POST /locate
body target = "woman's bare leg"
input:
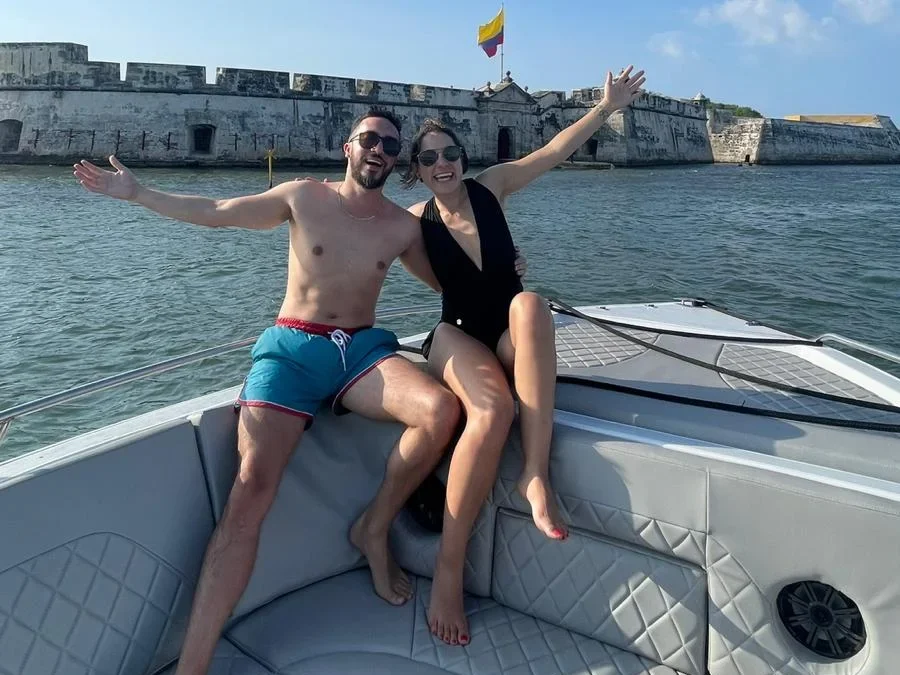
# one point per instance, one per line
(473, 373)
(528, 352)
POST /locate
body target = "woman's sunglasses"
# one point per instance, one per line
(369, 139)
(428, 157)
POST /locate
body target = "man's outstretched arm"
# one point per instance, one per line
(260, 211)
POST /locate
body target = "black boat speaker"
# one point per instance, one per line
(822, 619)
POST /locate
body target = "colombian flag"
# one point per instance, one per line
(490, 35)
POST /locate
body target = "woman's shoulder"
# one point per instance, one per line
(417, 209)
(486, 187)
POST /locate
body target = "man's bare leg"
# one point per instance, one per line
(266, 439)
(472, 372)
(396, 389)
(528, 351)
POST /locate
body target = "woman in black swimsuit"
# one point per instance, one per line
(490, 328)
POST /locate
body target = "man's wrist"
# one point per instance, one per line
(603, 109)
(139, 192)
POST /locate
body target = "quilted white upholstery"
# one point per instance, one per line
(99, 554)
(228, 660)
(507, 641)
(654, 533)
(789, 369)
(100, 604)
(416, 549)
(796, 530)
(624, 597)
(339, 626)
(581, 344)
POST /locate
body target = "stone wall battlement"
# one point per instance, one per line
(56, 105)
(61, 65)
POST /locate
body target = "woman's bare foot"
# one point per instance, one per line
(391, 582)
(446, 615)
(544, 510)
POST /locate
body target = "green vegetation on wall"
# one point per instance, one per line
(736, 110)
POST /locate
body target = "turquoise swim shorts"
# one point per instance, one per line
(298, 365)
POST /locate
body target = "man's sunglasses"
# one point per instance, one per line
(428, 157)
(369, 139)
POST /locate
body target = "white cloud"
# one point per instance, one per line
(867, 11)
(669, 44)
(767, 22)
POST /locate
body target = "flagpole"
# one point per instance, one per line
(504, 40)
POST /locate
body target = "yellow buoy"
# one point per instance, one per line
(270, 155)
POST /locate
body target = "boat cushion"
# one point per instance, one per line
(100, 552)
(329, 480)
(631, 598)
(228, 660)
(340, 626)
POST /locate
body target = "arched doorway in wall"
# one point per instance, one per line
(10, 135)
(504, 145)
(202, 139)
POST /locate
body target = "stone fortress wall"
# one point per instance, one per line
(58, 106)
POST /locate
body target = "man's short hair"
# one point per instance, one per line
(377, 112)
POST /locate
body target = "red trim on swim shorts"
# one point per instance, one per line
(340, 395)
(275, 406)
(314, 328)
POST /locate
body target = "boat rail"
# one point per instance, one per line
(8, 416)
(860, 346)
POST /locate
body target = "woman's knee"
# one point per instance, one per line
(529, 307)
(492, 416)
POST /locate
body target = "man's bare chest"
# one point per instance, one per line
(354, 250)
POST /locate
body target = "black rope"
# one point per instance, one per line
(727, 407)
(563, 308)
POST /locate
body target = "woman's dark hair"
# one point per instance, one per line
(429, 126)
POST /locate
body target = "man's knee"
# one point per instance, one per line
(440, 412)
(265, 443)
(252, 494)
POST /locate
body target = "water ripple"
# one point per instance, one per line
(90, 287)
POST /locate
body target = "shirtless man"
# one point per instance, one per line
(343, 239)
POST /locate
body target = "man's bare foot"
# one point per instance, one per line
(544, 510)
(391, 582)
(446, 615)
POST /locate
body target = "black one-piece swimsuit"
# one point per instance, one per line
(475, 301)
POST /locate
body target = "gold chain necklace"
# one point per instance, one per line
(345, 210)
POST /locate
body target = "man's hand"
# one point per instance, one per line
(521, 263)
(621, 92)
(119, 184)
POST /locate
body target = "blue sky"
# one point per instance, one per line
(778, 56)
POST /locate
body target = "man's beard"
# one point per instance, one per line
(369, 181)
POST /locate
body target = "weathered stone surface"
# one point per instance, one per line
(56, 105)
(53, 64)
(772, 141)
(245, 82)
(734, 139)
(165, 76)
(784, 142)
